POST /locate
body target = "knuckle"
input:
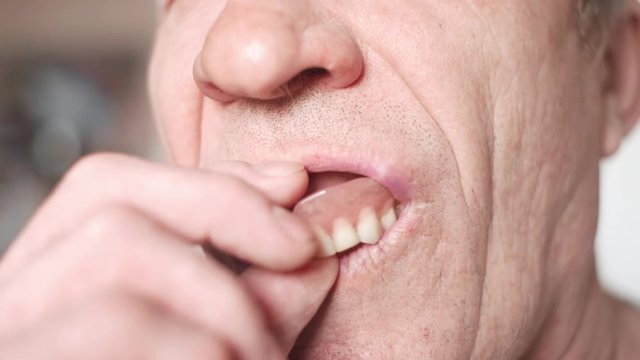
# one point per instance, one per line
(90, 166)
(116, 312)
(112, 238)
(122, 272)
(110, 223)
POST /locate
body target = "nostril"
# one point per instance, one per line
(275, 53)
(304, 79)
(214, 93)
(313, 73)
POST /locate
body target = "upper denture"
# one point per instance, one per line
(346, 213)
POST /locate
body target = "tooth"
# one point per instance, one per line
(327, 247)
(344, 235)
(389, 218)
(368, 226)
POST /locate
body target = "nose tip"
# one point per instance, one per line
(274, 49)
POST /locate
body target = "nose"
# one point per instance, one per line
(269, 49)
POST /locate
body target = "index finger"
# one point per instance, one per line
(212, 207)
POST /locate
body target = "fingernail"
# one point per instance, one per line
(278, 168)
(294, 227)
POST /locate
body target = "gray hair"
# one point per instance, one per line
(595, 18)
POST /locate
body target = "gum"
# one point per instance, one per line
(345, 200)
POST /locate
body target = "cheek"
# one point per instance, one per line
(175, 99)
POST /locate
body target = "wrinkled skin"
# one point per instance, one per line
(496, 111)
(486, 119)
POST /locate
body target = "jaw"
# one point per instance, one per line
(414, 296)
(417, 293)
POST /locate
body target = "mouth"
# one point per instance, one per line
(347, 211)
(374, 200)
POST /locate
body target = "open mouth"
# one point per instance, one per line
(346, 210)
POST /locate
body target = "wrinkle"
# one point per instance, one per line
(200, 102)
(490, 105)
(439, 244)
(491, 148)
(429, 113)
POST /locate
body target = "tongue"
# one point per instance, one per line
(339, 201)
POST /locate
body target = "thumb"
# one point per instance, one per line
(290, 300)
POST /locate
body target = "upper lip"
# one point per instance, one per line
(382, 170)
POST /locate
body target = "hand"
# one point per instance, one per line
(109, 267)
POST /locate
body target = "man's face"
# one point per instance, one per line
(482, 117)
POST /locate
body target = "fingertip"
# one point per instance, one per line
(291, 299)
(326, 268)
(319, 274)
(285, 190)
(283, 182)
(301, 242)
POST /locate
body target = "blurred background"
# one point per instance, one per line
(72, 81)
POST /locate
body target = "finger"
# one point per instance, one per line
(284, 183)
(114, 326)
(290, 300)
(204, 207)
(124, 250)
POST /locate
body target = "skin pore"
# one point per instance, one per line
(496, 112)
(486, 120)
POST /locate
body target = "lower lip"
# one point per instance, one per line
(364, 257)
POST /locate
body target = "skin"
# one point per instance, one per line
(495, 160)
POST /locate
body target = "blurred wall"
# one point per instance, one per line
(72, 81)
(96, 52)
(75, 27)
(618, 242)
